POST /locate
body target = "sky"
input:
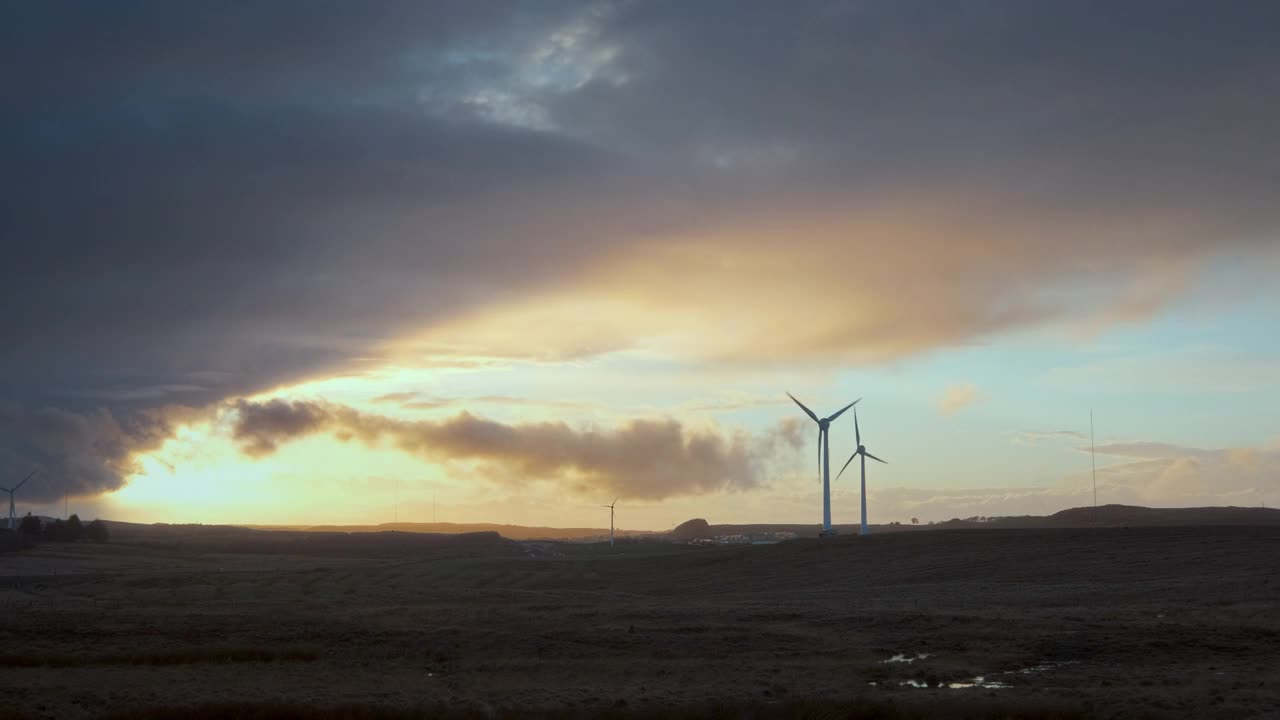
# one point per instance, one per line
(331, 262)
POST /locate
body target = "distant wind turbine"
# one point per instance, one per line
(610, 506)
(13, 517)
(1093, 461)
(862, 450)
(824, 457)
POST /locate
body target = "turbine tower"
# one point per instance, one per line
(610, 506)
(824, 457)
(862, 450)
(13, 518)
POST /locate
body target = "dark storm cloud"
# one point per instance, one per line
(78, 453)
(75, 50)
(640, 459)
(261, 427)
(1146, 101)
(204, 200)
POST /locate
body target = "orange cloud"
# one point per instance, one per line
(641, 459)
(830, 281)
(958, 397)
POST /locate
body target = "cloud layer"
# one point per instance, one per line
(208, 204)
(641, 459)
(82, 453)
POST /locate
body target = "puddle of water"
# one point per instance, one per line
(902, 658)
(978, 682)
(1041, 668)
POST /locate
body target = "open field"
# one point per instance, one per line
(1158, 622)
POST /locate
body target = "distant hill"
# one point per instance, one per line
(233, 539)
(511, 532)
(693, 530)
(1134, 515)
(1102, 516)
(141, 531)
(1126, 516)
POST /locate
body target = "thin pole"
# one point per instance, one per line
(396, 504)
(1093, 459)
(826, 482)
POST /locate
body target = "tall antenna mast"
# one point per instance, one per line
(1093, 459)
(396, 504)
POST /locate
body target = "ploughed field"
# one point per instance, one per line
(1142, 622)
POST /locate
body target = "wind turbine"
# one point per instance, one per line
(824, 457)
(13, 519)
(862, 450)
(610, 506)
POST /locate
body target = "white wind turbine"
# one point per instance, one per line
(862, 450)
(13, 519)
(610, 506)
(824, 457)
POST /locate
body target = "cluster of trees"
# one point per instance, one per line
(70, 531)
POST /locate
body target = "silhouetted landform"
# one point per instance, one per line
(1082, 517)
(1137, 516)
(699, 528)
(375, 540)
(693, 530)
(233, 539)
(511, 532)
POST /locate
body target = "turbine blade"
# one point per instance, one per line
(846, 464)
(873, 457)
(840, 412)
(857, 434)
(819, 455)
(615, 502)
(806, 410)
(25, 479)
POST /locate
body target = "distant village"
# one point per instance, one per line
(766, 538)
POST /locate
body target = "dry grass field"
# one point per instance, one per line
(1150, 622)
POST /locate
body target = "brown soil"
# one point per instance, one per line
(1151, 622)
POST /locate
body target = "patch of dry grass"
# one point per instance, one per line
(816, 710)
(190, 656)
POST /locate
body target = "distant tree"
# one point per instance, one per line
(97, 532)
(75, 529)
(915, 521)
(30, 525)
(56, 531)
